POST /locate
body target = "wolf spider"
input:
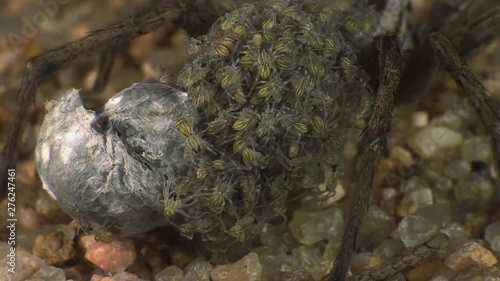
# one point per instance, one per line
(462, 31)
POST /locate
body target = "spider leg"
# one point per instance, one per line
(99, 41)
(105, 63)
(477, 94)
(371, 147)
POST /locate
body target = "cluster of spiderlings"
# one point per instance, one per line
(274, 86)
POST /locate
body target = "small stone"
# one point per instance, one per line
(274, 267)
(198, 271)
(246, 269)
(434, 138)
(479, 191)
(475, 222)
(310, 259)
(170, 273)
(457, 234)
(114, 257)
(476, 149)
(426, 270)
(415, 230)
(29, 218)
(86, 242)
(416, 199)
(443, 184)
(414, 183)
(377, 224)
(122, 276)
(377, 219)
(48, 273)
(361, 260)
(469, 255)
(457, 169)
(311, 227)
(490, 273)
(389, 248)
(26, 264)
(126, 276)
(448, 119)
(420, 119)
(438, 213)
(54, 247)
(276, 236)
(492, 235)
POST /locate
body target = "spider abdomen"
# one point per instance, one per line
(275, 86)
(272, 90)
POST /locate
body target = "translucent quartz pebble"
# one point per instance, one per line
(310, 259)
(388, 248)
(476, 149)
(476, 190)
(170, 273)
(457, 169)
(471, 254)
(443, 184)
(109, 167)
(377, 224)
(49, 273)
(415, 230)
(414, 183)
(275, 267)
(437, 213)
(198, 271)
(492, 235)
(448, 119)
(247, 268)
(432, 139)
(457, 234)
(311, 227)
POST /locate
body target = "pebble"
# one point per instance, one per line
(170, 273)
(275, 267)
(26, 264)
(469, 255)
(443, 184)
(492, 235)
(456, 233)
(113, 257)
(457, 169)
(476, 190)
(389, 248)
(415, 230)
(121, 276)
(54, 247)
(311, 227)
(438, 213)
(48, 273)
(247, 268)
(198, 271)
(309, 258)
(29, 218)
(449, 119)
(431, 139)
(476, 149)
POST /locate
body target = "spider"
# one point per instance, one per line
(389, 79)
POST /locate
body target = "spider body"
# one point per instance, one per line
(272, 91)
(275, 118)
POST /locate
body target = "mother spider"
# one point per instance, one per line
(272, 90)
